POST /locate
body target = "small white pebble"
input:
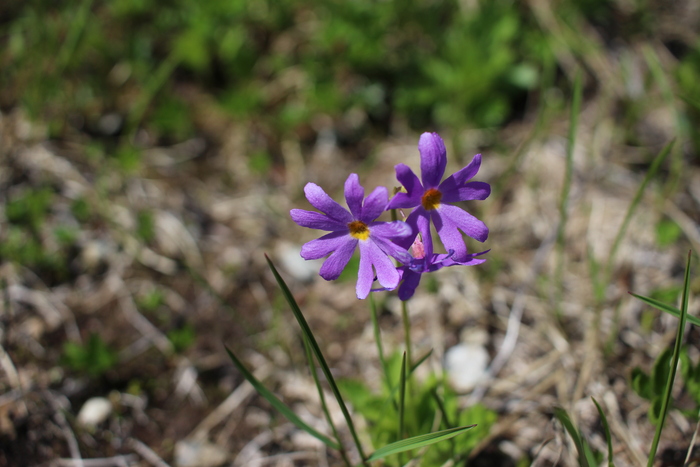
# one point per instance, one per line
(466, 365)
(94, 411)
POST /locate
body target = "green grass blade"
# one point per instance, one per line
(402, 395)
(606, 429)
(278, 404)
(568, 175)
(666, 402)
(417, 442)
(563, 417)
(672, 310)
(324, 405)
(306, 330)
(420, 360)
(656, 163)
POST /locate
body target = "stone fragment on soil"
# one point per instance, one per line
(94, 411)
(190, 453)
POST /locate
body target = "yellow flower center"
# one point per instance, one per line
(431, 199)
(359, 230)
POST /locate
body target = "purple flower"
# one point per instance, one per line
(411, 273)
(433, 200)
(348, 229)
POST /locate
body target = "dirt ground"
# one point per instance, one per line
(199, 272)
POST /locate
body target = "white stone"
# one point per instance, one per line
(94, 411)
(466, 365)
(292, 262)
(190, 453)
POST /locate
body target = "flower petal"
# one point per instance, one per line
(325, 245)
(414, 189)
(390, 230)
(324, 203)
(315, 220)
(372, 255)
(410, 283)
(468, 191)
(392, 249)
(467, 223)
(433, 159)
(375, 204)
(449, 234)
(354, 194)
(460, 177)
(336, 262)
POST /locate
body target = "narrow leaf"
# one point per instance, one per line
(606, 429)
(306, 330)
(672, 310)
(417, 442)
(420, 360)
(666, 402)
(573, 432)
(322, 398)
(655, 164)
(278, 404)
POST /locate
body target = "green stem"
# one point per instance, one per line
(406, 331)
(378, 340)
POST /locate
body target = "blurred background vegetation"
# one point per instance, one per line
(105, 69)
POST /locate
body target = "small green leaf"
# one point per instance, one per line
(563, 417)
(660, 372)
(641, 383)
(417, 442)
(278, 404)
(606, 429)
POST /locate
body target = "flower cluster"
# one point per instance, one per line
(431, 200)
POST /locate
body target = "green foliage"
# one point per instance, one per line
(93, 358)
(381, 410)
(182, 337)
(667, 233)
(30, 209)
(587, 457)
(652, 386)
(145, 226)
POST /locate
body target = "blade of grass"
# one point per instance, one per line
(395, 388)
(666, 88)
(420, 360)
(666, 308)
(656, 163)
(666, 402)
(306, 330)
(566, 189)
(73, 36)
(563, 417)
(278, 404)
(606, 429)
(326, 412)
(417, 442)
(402, 401)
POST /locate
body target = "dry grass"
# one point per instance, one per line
(213, 220)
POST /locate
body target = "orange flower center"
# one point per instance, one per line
(359, 230)
(431, 199)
